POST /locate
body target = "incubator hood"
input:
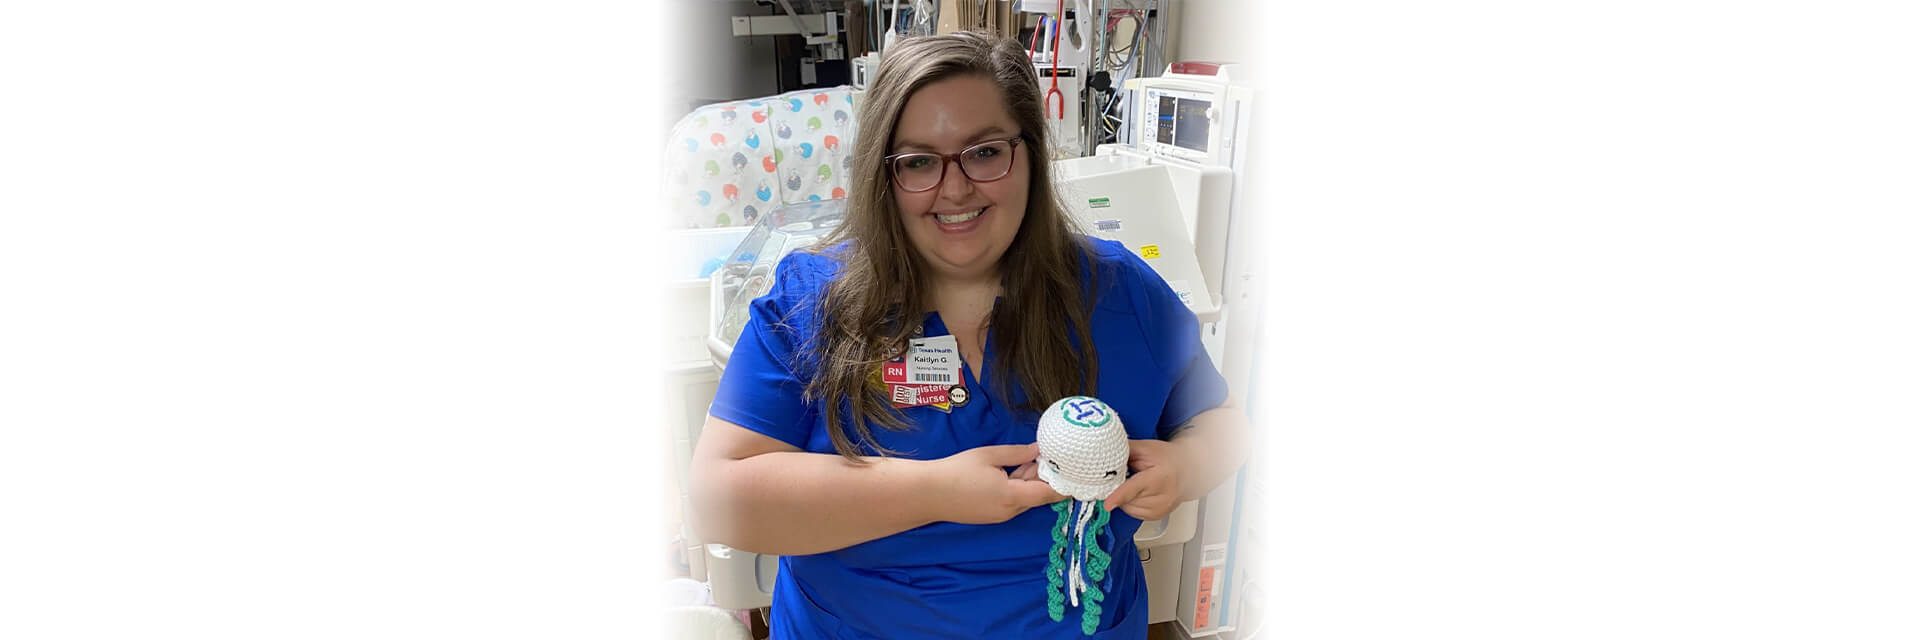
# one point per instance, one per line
(748, 272)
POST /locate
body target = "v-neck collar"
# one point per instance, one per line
(975, 379)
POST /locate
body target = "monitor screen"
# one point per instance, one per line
(1190, 123)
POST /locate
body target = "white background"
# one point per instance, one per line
(333, 321)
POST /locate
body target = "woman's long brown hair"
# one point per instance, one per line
(1042, 335)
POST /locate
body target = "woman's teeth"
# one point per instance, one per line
(957, 218)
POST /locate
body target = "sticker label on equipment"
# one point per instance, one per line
(1213, 576)
(933, 361)
(1203, 606)
(1099, 203)
(1149, 251)
(1106, 225)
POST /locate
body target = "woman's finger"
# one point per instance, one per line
(1007, 455)
(1144, 512)
(1033, 493)
(1125, 493)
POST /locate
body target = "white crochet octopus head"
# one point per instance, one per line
(1083, 448)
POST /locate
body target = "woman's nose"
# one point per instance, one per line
(955, 185)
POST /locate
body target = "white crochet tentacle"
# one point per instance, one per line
(1077, 581)
(1073, 585)
(1073, 564)
(1080, 528)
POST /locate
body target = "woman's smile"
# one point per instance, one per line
(959, 220)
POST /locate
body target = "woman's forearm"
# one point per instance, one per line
(794, 503)
(1213, 448)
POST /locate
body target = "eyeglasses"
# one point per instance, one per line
(984, 162)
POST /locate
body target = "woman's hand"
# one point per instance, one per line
(1154, 488)
(974, 487)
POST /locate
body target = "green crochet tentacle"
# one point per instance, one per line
(1090, 610)
(1097, 561)
(1056, 565)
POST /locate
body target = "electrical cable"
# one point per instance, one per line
(1142, 36)
(1101, 42)
(1115, 22)
(1131, 48)
(1094, 128)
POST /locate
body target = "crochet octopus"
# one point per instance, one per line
(1083, 455)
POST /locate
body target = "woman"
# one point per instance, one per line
(954, 236)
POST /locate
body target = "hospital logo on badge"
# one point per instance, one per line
(1086, 412)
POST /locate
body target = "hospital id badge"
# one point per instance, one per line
(933, 361)
(927, 376)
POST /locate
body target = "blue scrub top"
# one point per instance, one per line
(948, 580)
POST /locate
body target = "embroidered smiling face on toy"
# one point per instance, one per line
(1083, 448)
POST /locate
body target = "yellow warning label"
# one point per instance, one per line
(1149, 251)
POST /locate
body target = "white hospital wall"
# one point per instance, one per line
(1212, 31)
(710, 63)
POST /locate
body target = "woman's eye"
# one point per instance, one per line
(985, 152)
(916, 162)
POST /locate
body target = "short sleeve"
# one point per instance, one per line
(1173, 335)
(760, 388)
